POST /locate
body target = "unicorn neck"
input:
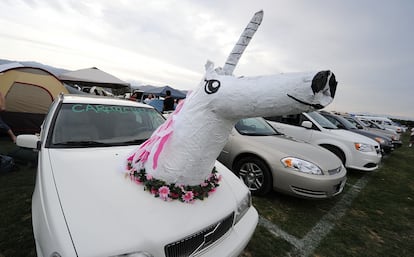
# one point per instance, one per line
(200, 141)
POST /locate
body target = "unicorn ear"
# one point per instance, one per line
(209, 66)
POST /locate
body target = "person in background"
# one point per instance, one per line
(411, 138)
(168, 102)
(148, 99)
(134, 97)
(3, 125)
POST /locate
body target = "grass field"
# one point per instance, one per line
(372, 217)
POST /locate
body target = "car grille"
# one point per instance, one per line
(334, 171)
(309, 193)
(191, 245)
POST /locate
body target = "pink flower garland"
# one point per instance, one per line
(169, 192)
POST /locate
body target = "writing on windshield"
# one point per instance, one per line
(105, 108)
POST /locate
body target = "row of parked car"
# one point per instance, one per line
(305, 155)
(82, 205)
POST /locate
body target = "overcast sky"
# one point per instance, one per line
(369, 45)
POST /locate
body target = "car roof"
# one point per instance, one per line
(95, 99)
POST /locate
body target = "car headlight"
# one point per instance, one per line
(301, 165)
(364, 147)
(243, 207)
(135, 254)
(380, 140)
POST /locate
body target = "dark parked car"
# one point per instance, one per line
(342, 123)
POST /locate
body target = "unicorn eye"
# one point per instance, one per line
(211, 86)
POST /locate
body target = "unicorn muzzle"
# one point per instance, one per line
(323, 88)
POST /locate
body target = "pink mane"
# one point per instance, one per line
(157, 141)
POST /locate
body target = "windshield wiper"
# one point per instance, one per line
(257, 134)
(82, 143)
(135, 141)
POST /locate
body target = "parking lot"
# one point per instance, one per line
(372, 217)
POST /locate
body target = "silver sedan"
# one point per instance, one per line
(264, 159)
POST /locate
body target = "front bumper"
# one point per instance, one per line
(310, 186)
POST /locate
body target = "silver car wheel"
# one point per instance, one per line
(255, 174)
(252, 175)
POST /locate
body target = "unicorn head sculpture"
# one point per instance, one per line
(184, 149)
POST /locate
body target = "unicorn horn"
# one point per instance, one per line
(241, 45)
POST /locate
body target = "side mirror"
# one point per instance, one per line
(306, 124)
(28, 141)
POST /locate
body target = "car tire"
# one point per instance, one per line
(338, 152)
(255, 174)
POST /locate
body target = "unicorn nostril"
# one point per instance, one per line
(332, 85)
(319, 81)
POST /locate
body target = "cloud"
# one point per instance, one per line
(368, 44)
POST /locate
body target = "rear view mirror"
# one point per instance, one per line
(306, 124)
(27, 141)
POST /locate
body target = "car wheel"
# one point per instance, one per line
(335, 150)
(255, 175)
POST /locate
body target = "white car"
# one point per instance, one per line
(383, 121)
(83, 205)
(356, 151)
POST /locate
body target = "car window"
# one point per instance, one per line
(255, 127)
(322, 121)
(85, 125)
(354, 122)
(347, 123)
(293, 119)
(334, 121)
(372, 124)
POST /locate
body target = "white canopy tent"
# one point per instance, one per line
(94, 77)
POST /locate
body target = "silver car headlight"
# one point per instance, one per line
(301, 165)
(364, 147)
(135, 254)
(243, 207)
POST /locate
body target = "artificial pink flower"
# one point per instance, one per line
(154, 191)
(212, 190)
(137, 181)
(164, 192)
(204, 184)
(188, 197)
(149, 177)
(174, 195)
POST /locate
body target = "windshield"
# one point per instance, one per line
(354, 122)
(85, 125)
(255, 127)
(322, 121)
(347, 123)
(372, 124)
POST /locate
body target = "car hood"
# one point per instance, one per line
(107, 213)
(287, 146)
(352, 137)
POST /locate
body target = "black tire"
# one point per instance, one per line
(338, 152)
(255, 175)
